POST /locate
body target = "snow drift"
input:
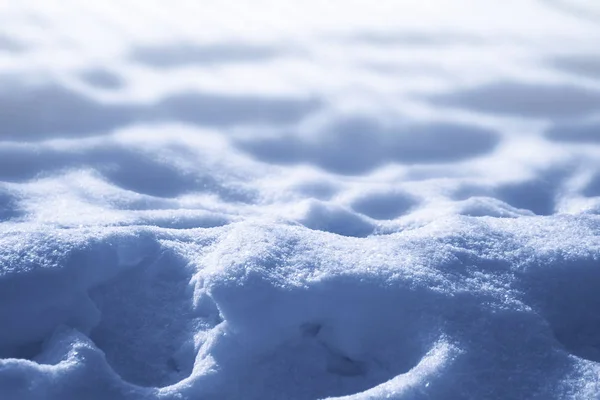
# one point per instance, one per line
(324, 201)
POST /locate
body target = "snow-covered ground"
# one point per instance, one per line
(299, 199)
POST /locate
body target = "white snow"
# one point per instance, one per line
(285, 200)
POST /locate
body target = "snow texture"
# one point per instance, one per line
(299, 200)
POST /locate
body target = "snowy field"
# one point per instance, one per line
(299, 199)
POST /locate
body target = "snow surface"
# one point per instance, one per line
(299, 200)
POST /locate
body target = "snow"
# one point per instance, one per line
(270, 200)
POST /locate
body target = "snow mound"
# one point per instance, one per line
(269, 310)
(326, 200)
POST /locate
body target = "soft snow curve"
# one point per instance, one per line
(333, 200)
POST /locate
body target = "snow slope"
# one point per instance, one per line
(270, 200)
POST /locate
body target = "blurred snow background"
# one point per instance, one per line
(279, 199)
